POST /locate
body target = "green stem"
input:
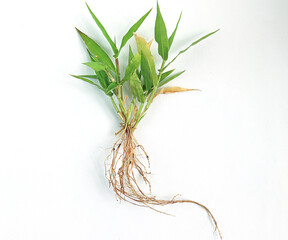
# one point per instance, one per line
(149, 100)
(135, 126)
(121, 104)
(154, 90)
(161, 70)
(118, 77)
(116, 108)
(118, 70)
(130, 110)
(139, 111)
(114, 104)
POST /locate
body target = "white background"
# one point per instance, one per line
(226, 146)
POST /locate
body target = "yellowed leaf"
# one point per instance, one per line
(172, 90)
(150, 43)
(142, 40)
(142, 44)
(148, 68)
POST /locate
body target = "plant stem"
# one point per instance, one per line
(152, 93)
(149, 100)
(130, 110)
(139, 111)
(119, 89)
(121, 104)
(116, 108)
(161, 70)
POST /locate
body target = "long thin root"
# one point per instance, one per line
(126, 166)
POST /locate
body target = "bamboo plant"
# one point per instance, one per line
(145, 81)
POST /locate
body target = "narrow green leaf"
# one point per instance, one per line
(89, 81)
(161, 35)
(100, 75)
(148, 70)
(166, 74)
(141, 118)
(170, 79)
(171, 38)
(103, 78)
(106, 35)
(96, 50)
(146, 73)
(92, 58)
(96, 66)
(101, 81)
(136, 88)
(133, 65)
(192, 44)
(111, 87)
(133, 29)
(87, 76)
(131, 54)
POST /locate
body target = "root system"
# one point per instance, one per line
(126, 172)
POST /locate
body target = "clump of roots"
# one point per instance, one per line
(125, 168)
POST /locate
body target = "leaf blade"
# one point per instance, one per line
(136, 88)
(86, 76)
(171, 38)
(170, 78)
(148, 69)
(96, 50)
(165, 75)
(131, 54)
(192, 44)
(133, 29)
(173, 90)
(133, 65)
(103, 30)
(161, 35)
(111, 87)
(87, 80)
(96, 66)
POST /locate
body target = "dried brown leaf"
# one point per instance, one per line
(172, 90)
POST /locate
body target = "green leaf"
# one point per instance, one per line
(166, 74)
(170, 79)
(111, 87)
(89, 81)
(106, 35)
(161, 35)
(148, 70)
(133, 29)
(145, 71)
(171, 38)
(96, 50)
(131, 54)
(96, 66)
(192, 44)
(100, 75)
(136, 88)
(103, 78)
(87, 76)
(92, 58)
(133, 65)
